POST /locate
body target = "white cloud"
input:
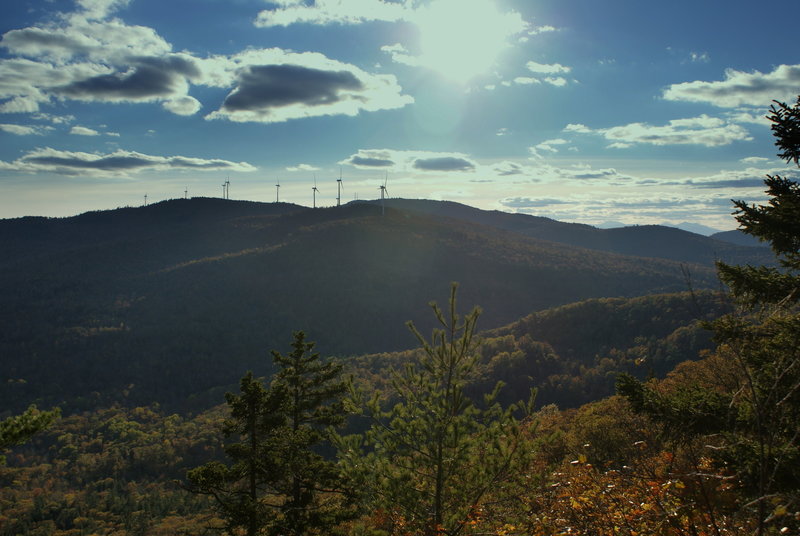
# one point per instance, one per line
(400, 54)
(577, 128)
(747, 115)
(24, 130)
(741, 88)
(453, 41)
(185, 105)
(273, 85)
(120, 163)
(526, 80)
(324, 12)
(55, 119)
(87, 56)
(79, 37)
(98, 9)
(302, 167)
(411, 161)
(702, 130)
(544, 68)
(557, 81)
(542, 29)
(90, 57)
(754, 160)
(83, 131)
(549, 146)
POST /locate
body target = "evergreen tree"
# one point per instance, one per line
(241, 490)
(756, 411)
(430, 462)
(278, 483)
(310, 485)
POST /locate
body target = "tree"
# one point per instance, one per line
(311, 486)
(756, 411)
(278, 483)
(430, 462)
(241, 489)
(17, 429)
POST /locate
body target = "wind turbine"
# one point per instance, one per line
(224, 186)
(384, 192)
(339, 188)
(277, 191)
(314, 190)
(145, 199)
(186, 193)
(228, 188)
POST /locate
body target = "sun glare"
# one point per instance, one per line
(461, 39)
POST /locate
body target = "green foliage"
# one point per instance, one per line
(109, 471)
(17, 429)
(573, 353)
(692, 411)
(750, 413)
(430, 461)
(277, 482)
(238, 489)
(786, 128)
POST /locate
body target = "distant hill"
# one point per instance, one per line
(573, 353)
(698, 228)
(168, 302)
(639, 240)
(739, 238)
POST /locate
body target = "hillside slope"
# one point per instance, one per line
(643, 240)
(573, 353)
(170, 301)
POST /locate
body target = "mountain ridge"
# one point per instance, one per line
(169, 301)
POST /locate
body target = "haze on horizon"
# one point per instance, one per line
(578, 111)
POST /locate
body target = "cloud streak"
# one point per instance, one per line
(702, 130)
(120, 163)
(740, 88)
(411, 161)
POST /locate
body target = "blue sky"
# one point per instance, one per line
(585, 111)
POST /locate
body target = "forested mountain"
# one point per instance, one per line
(641, 240)
(173, 300)
(114, 469)
(739, 238)
(573, 353)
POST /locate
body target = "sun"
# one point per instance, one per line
(462, 38)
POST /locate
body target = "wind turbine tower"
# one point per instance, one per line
(339, 189)
(384, 192)
(145, 199)
(314, 190)
(228, 188)
(278, 191)
(186, 193)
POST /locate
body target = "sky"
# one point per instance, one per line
(605, 113)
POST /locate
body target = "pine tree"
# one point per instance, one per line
(278, 483)
(431, 461)
(241, 490)
(757, 415)
(312, 486)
